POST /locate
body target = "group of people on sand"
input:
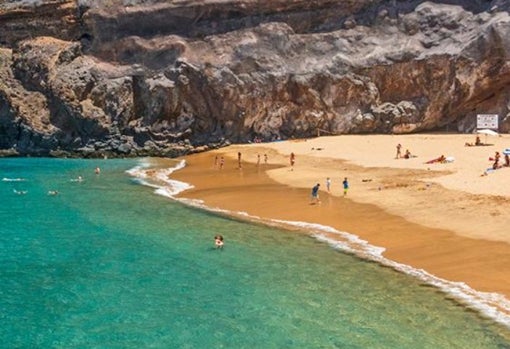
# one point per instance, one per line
(219, 161)
(497, 157)
(315, 190)
(407, 154)
(443, 159)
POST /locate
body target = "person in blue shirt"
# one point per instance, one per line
(346, 186)
(315, 193)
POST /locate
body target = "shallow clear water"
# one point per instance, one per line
(109, 264)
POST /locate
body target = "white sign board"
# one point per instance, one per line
(489, 121)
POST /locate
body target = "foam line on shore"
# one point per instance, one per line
(159, 179)
(491, 305)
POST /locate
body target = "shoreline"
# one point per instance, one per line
(273, 191)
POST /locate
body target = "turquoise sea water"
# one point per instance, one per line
(107, 263)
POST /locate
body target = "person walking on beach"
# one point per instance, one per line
(239, 160)
(292, 161)
(222, 162)
(399, 151)
(346, 186)
(258, 160)
(328, 184)
(315, 194)
(265, 159)
(215, 161)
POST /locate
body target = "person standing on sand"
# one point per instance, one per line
(239, 160)
(216, 161)
(328, 184)
(399, 151)
(346, 186)
(258, 160)
(315, 194)
(292, 161)
(222, 162)
(265, 159)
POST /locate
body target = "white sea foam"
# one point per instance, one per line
(139, 170)
(492, 305)
(159, 178)
(13, 179)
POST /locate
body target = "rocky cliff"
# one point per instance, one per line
(142, 77)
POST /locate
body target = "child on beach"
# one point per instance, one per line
(346, 186)
(328, 184)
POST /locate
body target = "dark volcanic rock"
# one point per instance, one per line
(94, 78)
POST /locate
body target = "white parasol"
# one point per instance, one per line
(486, 132)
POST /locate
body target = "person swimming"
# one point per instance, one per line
(52, 192)
(79, 179)
(19, 192)
(218, 241)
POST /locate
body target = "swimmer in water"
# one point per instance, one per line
(20, 192)
(79, 179)
(97, 170)
(218, 241)
(52, 192)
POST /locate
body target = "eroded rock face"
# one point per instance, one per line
(168, 77)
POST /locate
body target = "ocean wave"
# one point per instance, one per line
(492, 305)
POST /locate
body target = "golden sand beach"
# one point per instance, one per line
(450, 219)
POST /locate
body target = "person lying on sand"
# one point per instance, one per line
(441, 159)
